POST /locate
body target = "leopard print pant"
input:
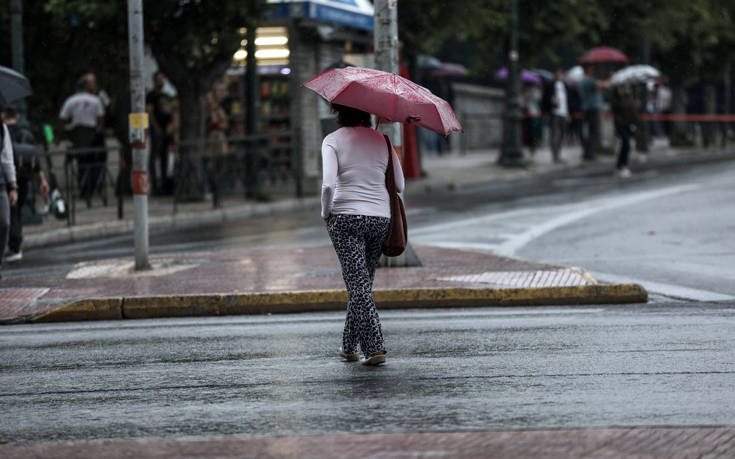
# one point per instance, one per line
(358, 241)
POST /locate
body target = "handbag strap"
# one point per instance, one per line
(390, 180)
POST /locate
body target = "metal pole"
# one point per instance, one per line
(385, 39)
(251, 112)
(511, 155)
(138, 124)
(18, 62)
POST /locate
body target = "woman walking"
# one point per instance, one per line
(356, 210)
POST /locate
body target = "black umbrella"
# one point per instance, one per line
(13, 86)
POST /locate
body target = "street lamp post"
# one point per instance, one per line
(511, 154)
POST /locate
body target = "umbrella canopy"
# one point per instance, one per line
(545, 74)
(450, 69)
(574, 74)
(386, 95)
(13, 86)
(604, 54)
(527, 76)
(634, 74)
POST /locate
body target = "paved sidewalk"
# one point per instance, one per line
(293, 280)
(637, 442)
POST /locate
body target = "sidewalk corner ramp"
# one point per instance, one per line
(335, 300)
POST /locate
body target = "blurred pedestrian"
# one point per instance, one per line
(590, 102)
(26, 167)
(83, 115)
(8, 187)
(532, 120)
(663, 106)
(156, 103)
(559, 114)
(217, 147)
(356, 210)
(576, 124)
(625, 114)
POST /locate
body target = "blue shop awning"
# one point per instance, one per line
(352, 13)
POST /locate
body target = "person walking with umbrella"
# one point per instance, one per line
(356, 210)
(355, 197)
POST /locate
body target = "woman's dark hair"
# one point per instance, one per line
(350, 117)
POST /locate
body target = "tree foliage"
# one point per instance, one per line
(193, 40)
(688, 40)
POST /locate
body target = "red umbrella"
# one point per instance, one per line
(386, 95)
(604, 54)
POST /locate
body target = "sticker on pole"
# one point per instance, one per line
(138, 123)
(140, 182)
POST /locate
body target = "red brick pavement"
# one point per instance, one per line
(250, 271)
(638, 442)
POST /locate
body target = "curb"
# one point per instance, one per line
(335, 300)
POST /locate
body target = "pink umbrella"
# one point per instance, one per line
(604, 54)
(386, 95)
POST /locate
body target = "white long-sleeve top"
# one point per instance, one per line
(354, 160)
(6, 157)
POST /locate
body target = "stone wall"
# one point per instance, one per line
(480, 110)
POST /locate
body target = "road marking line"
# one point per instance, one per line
(590, 207)
(565, 214)
(675, 291)
(439, 227)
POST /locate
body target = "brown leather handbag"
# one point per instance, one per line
(397, 239)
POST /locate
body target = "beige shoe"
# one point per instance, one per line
(375, 359)
(623, 173)
(348, 357)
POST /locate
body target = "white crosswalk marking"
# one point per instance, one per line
(520, 279)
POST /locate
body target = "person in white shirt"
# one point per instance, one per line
(8, 187)
(83, 115)
(356, 210)
(559, 114)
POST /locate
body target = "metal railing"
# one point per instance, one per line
(254, 167)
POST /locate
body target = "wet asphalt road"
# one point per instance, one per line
(669, 362)
(656, 364)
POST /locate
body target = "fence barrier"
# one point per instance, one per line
(228, 164)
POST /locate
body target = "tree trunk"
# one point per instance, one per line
(710, 108)
(190, 180)
(192, 87)
(678, 136)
